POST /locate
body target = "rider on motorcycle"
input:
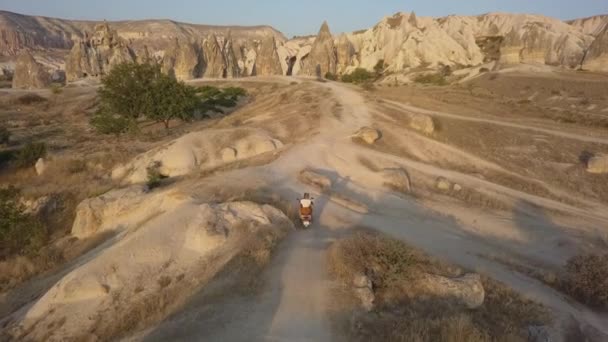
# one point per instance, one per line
(306, 205)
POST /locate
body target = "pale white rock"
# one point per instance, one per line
(166, 235)
(398, 179)
(368, 134)
(443, 184)
(422, 123)
(467, 289)
(197, 151)
(40, 166)
(598, 164)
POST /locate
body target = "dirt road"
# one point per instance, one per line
(293, 305)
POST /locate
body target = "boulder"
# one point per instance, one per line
(443, 184)
(322, 58)
(368, 134)
(598, 164)
(467, 290)
(363, 290)
(198, 151)
(422, 123)
(40, 166)
(228, 154)
(457, 187)
(315, 179)
(40, 206)
(397, 179)
(29, 74)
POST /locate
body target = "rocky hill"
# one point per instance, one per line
(19, 31)
(403, 42)
(591, 25)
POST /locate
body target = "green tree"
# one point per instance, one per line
(125, 90)
(170, 99)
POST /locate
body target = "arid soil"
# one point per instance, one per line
(493, 179)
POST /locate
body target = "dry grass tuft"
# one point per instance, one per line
(586, 279)
(404, 312)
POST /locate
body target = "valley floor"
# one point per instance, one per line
(519, 203)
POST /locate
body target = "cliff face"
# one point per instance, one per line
(596, 58)
(403, 41)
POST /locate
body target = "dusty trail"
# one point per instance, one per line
(574, 136)
(293, 305)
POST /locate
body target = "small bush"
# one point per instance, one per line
(360, 75)
(436, 79)
(30, 99)
(331, 77)
(19, 232)
(56, 88)
(484, 70)
(154, 176)
(29, 154)
(5, 135)
(586, 279)
(106, 123)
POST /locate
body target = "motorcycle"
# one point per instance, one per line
(306, 215)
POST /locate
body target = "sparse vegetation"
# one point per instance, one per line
(133, 91)
(358, 76)
(404, 312)
(30, 153)
(5, 135)
(586, 279)
(30, 99)
(154, 176)
(19, 231)
(434, 79)
(331, 77)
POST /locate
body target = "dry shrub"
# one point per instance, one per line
(29, 99)
(586, 279)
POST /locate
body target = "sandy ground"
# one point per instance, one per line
(293, 301)
(293, 305)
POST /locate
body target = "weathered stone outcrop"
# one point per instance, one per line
(345, 52)
(596, 58)
(97, 54)
(230, 57)
(29, 74)
(182, 61)
(215, 63)
(267, 61)
(322, 58)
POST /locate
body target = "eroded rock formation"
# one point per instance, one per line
(97, 54)
(29, 74)
(596, 58)
(322, 58)
(182, 61)
(267, 61)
